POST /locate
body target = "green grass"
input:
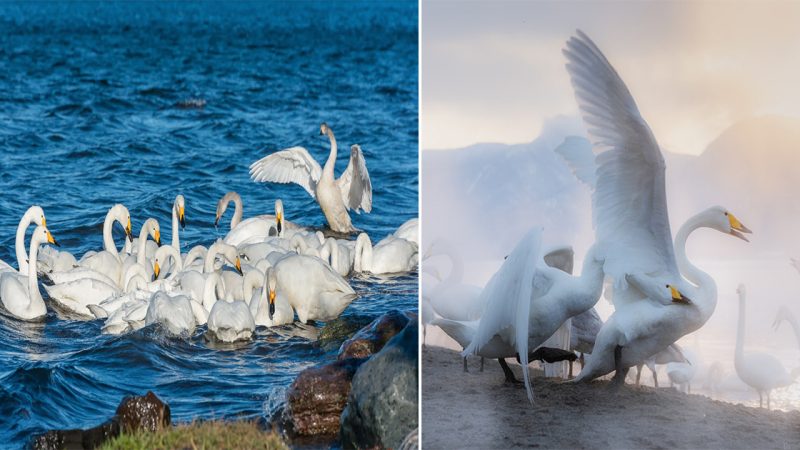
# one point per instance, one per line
(201, 435)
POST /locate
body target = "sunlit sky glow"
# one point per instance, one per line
(493, 72)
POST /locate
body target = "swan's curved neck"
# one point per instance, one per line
(456, 274)
(238, 211)
(740, 328)
(141, 257)
(33, 277)
(330, 253)
(19, 243)
(707, 300)
(211, 256)
(210, 295)
(176, 240)
(328, 169)
(108, 238)
(363, 258)
(251, 281)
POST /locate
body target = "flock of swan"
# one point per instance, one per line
(264, 272)
(658, 294)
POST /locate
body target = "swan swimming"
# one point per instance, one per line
(760, 371)
(353, 189)
(253, 229)
(391, 255)
(34, 214)
(230, 320)
(313, 288)
(19, 293)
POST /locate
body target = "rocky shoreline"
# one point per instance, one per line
(366, 398)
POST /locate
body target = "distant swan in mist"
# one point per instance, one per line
(784, 314)
(631, 221)
(353, 189)
(760, 371)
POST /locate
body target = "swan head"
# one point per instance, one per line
(43, 235)
(272, 285)
(231, 255)
(324, 129)
(156, 269)
(222, 205)
(741, 290)
(180, 207)
(279, 215)
(677, 296)
(36, 214)
(151, 225)
(724, 221)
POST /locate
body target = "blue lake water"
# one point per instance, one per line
(93, 112)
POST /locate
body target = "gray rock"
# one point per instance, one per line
(382, 406)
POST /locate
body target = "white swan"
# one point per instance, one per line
(178, 218)
(195, 282)
(151, 228)
(409, 231)
(632, 225)
(391, 255)
(337, 256)
(528, 300)
(451, 298)
(682, 373)
(313, 289)
(253, 229)
(269, 307)
(20, 294)
(353, 189)
(760, 371)
(784, 314)
(173, 312)
(230, 320)
(34, 214)
(670, 355)
(638, 330)
(108, 261)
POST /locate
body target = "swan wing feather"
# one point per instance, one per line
(629, 199)
(292, 165)
(507, 297)
(354, 183)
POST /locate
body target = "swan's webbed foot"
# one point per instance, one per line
(510, 378)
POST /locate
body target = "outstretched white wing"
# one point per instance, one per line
(629, 200)
(354, 184)
(293, 165)
(507, 297)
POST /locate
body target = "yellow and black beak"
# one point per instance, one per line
(271, 303)
(156, 270)
(128, 231)
(737, 228)
(216, 221)
(238, 265)
(51, 239)
(181, 217)
(677, 297)
(279, 222)
(158, 237)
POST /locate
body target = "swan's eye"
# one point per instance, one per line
(667, 286)
(726, 213)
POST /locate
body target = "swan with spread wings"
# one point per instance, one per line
(352, 191)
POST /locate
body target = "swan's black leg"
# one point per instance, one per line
(510, 378)
(619, 376)
(638, 374)
(570, 369)
(481, 363)
(465, 365)
(582, 359)
(655, 378)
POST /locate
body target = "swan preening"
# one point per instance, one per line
(266, 271)
(352, 190)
